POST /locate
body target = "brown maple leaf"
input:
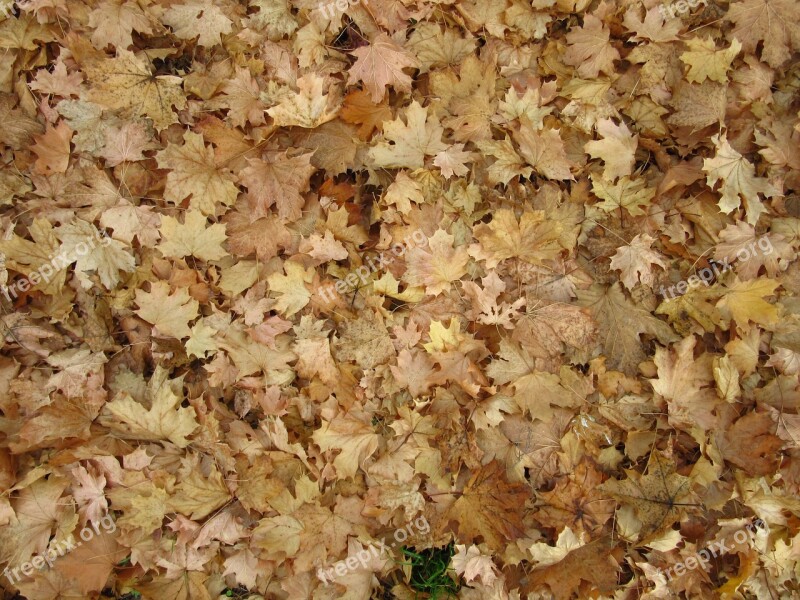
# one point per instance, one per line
(490, 508)
(381, 64)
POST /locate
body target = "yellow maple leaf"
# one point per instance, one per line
(164, 420)
(192, 237)
(544, 150)
(82, 243)
(437, 265)
(294, 294)
(353, 435)
(198, 495)
(194, 172)
(706, 62)
(633, 260)
(307, 108)
(739, 181)
(508, 163)
(409, 143)
(169, 313)
(532, 239)
(744, 302)
(632, 195)
(29, 257)
(617, 148)
(125, 83)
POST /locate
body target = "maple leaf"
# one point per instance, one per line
(198, 18)
(414, 371)
(436, 266)
(313, 349)
(536, 392)
(620, 323)
(744, 302)
(248, 235)
(473, 565)
(410, 142)
(91, 563)
(37, 512)
(89, 494)
(773, 22)
(169, 313)
(686, 384)
(274, 17)
(617, 149)
(125, 83)
(294, 294)
(364, 341)
(589, 48)
(657, 498)
(308, 108)
(698, 106)
(381, 64)
(359, 109)
(351, 434)
(278, 180)
(242, 98)
(488, 508)
(633, 261)
(484, 302)
(115, 20)
(550, 328)
(576, 502)
(544, 151)
(632, 195)
(190, 585)
(545, 555)
(739, 181)
(751, 442)
(740, 238)
(194, 172)
(165, 419)
(192, 237)
(198, 495)
(706, 62)
(129, 221)
(52, 148)
(126, 144)
(508, 165)
(592, 562)
(93, 253)
(336, 147)
(532, 238)
(25, 256)
(656, 26)
(453, 161)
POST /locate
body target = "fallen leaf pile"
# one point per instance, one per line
(281, 278)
